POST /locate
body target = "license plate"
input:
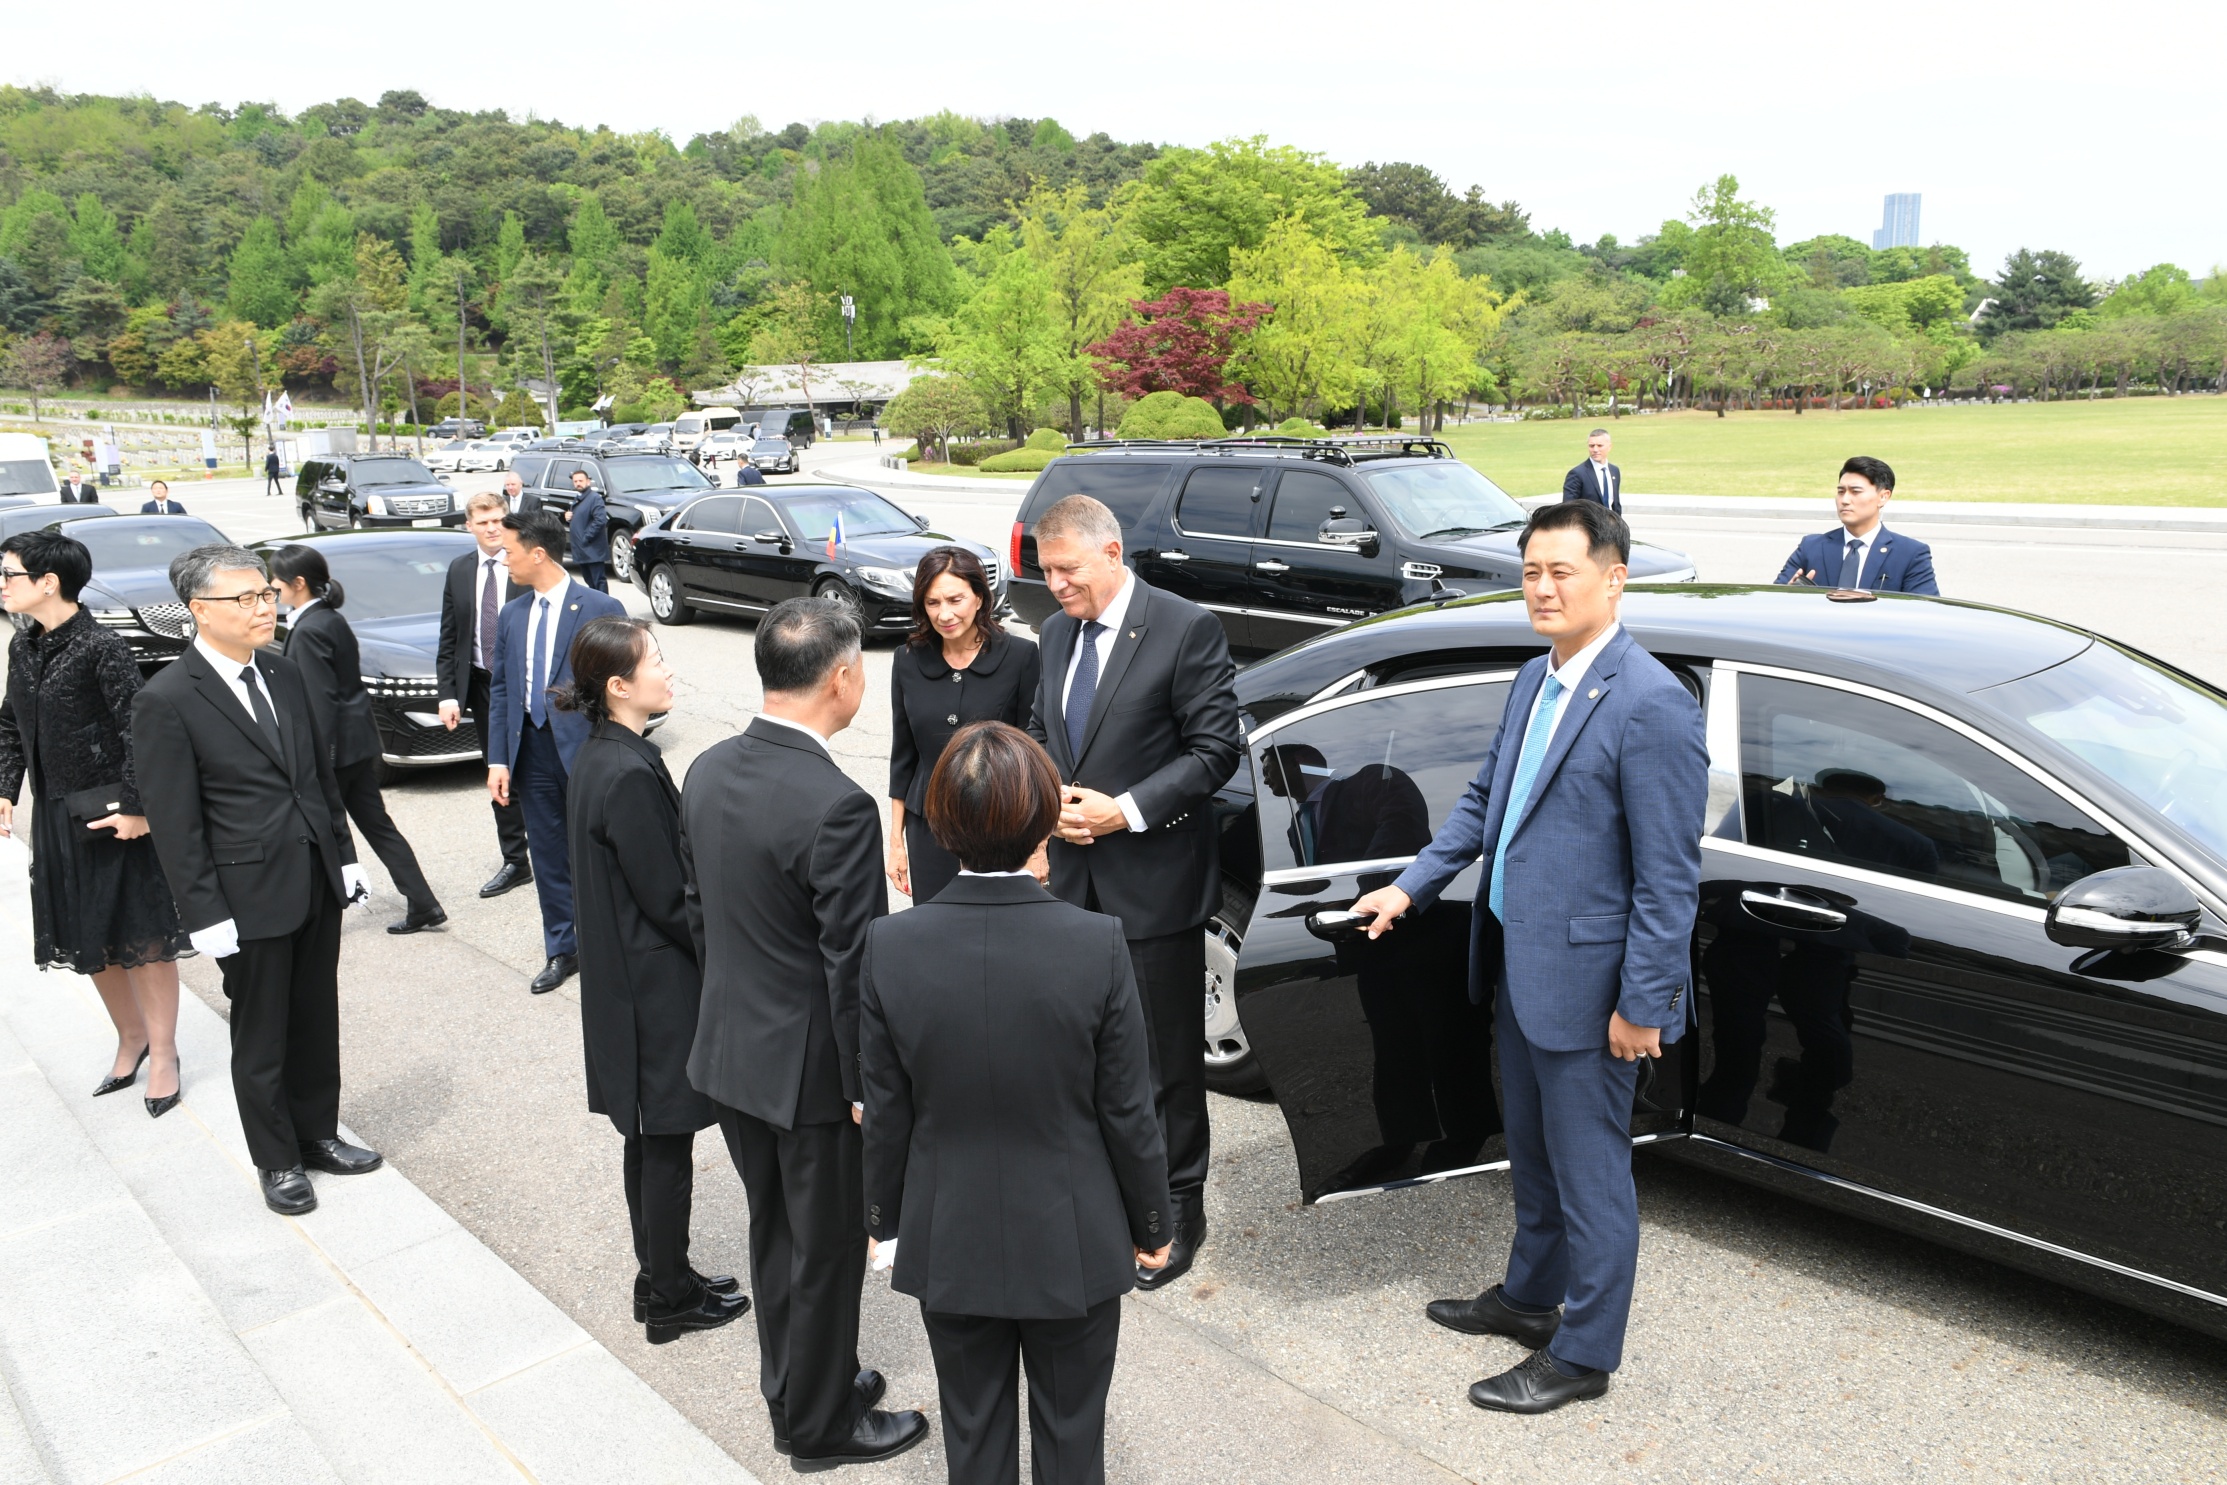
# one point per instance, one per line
(427, 521)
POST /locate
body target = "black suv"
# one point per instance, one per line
(1284, 538)
(373, 491)
(639, 490)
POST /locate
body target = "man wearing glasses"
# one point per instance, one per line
(248, 824)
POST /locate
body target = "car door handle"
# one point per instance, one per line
(1272, 565)
(1175, 556)
(1786, 907)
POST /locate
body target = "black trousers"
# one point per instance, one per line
(1171, 981)
(660, 1190)
(1070, 1367)
(806, 1188)
(367, 808)
(537, 781)
(510, 824)
(285, 995)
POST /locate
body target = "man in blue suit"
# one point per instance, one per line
(530, 744)
(590, 522)
(1587, 816)
(1863, 553)
(162, 504)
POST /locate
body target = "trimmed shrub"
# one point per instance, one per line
(1021, 461)
(517, 410)
(1172, 415)
(1046, 438)
(1299, 428)
(975, 453)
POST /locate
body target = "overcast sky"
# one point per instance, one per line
(2097, 132)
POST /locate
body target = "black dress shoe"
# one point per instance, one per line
(1491, 1314)
(1532, 1385)
(877, 1435)
(111, 1083)
(157, 1107)
(339, 1158)
(716, 1283)
(419, 922)
(561, 967)
(709, 1311)
(513, 874)
(869, 1384)
(1189, 1237)
(287, 1192)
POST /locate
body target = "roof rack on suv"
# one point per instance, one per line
(1329, 450)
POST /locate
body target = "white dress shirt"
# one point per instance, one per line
(1117, 610)
(1863, 555)
(1600, 472)
(1023, 872)
(546, 638)
(798, 727)
(1571, 676)
(228, 671)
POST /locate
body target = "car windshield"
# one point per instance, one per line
(1444, 500)
(864, 514)
(116, 545)
(632, 476)
(2155, 734)
(27, 477)
(770, 446)
(387, 579)
(391, 472)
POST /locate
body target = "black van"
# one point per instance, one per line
(791, 423)
(1284, 538)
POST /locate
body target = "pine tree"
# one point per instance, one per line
(861, 227)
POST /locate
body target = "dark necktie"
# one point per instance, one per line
(1085, 690)
(265, 718)
(534, 701)
(489, 601)
(1852, 565)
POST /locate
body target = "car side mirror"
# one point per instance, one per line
(1348, 531)
(920, 523)
(771, 538)
(2127, 907)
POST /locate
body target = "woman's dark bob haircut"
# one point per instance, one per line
(605, 649)
(967, 568)
(993, 798)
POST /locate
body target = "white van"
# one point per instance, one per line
(27, 468)
(691, 428)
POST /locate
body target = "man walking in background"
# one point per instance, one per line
(471, 602)
(1863, 553)
(590, 523)
(274, 473)
(1596, 478)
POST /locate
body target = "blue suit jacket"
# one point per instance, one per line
(1604, 870)
(513, 674)
(590, 525)
(151, 509)
(1892, 564)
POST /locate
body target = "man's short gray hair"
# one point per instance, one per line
(191, 572)
(1078, 517)
(1598, 433)
(802, 640)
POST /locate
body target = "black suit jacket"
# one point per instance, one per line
(1010, 1138)
(1162, 728)
(927, 706)
(452, 662)
(75, 493)
(152, 508)
(1582, 484)
(784, 861)
(323, 644)
(236, 823)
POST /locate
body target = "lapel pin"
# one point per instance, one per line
(1592, 693)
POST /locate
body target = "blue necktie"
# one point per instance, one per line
(1852, 565)
(535, 702)
(1085, 690)
(1519, 792)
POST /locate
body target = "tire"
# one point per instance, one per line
(622, 554)
(666, 604)
(309, 518)
(1231, 1067)
(836, 590)
(355, 522)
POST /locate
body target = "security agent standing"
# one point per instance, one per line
(1863, 553)
(1136, 709)
(248, 824)
(161, 504)
(590, 524)
(1587, 816)
(530, 744)
(472, 599)
(783, 855)
(79, 490)
(1596, 478)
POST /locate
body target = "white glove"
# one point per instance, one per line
(219, 941)
(885, 1254)
(356, 885)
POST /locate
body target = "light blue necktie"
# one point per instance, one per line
(534, 698)
(1519, 792)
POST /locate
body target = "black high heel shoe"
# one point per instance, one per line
(157, 1107)
(111, 1083)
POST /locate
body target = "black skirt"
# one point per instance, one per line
(932, 868)
(97, 902)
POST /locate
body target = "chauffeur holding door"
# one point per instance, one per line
(1587, 816)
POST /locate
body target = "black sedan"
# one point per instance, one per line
(130, 593)
(1961, 956)
(775, 456)
(742, 553)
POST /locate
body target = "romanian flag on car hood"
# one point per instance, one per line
(835, 536)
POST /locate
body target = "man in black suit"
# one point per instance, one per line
(783, 854)
(274, 473)
(1136, 709)
(247, 819)
(79, 490)
(161, 504)
(1596, 478)
(471, 600)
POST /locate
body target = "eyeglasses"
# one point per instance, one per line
(10, 574)
(249, 602)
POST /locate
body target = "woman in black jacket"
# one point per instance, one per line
(957, 666)
(99, 903)
(639, 981)
(320, 641)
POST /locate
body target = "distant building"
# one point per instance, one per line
(1898, 226)
(856, 388)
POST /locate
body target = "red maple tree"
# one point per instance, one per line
(1179, 342)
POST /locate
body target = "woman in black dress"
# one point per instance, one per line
(320, 640)
(639, 980)
(957, 666)
(99, 903)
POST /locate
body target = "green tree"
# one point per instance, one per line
(529, 309)
(860, 226)
(368, 324)
(94, 239)
(2166, 289)
(1171, 415)
(595, 242)
(1085, 258)
(259, 281)
(1195, 207)
(791, 333)
(675, 297)
(931, 410)
(1731, 257)
(1006, 339)
(2035, 291)
(1300, 359)
(510, 246)
(93, 311)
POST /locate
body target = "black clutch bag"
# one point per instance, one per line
(87, 805)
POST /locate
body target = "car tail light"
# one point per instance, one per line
(1013, 555)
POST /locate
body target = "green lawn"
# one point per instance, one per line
(2136, 451)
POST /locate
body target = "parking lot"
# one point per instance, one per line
(1769, 1341)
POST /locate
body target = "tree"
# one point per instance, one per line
(37, 363)
(510, 246)
(234, 364)
(860, 226)
(1300, 358)
(1180, 342)
(1416, 198)
(1006, 338)
(260, 282)
(791, 333)
(1195, 207)
(2166, 289)
(1171, 415)
(2035, 291)
(367, 319)
(933, 408)
(94, 239)
(93, 310)
(1731, 257)
(529, 308)
(1084, 255)
(21, 305)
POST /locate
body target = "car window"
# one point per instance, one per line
(369, 472)
(389, 579)
(1122, 486)
(528, 468)
(1219, 502)
(115, 545)
(632, 476)
(1444, 499)
(1304, 500)
(813, 512)
(721, 513)
(26, 477)
(758, 517)
(1373, 780)
(560, 474)
(1846, 778)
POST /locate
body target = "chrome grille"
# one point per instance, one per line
(990, 566)
(418, 505)
(170, 620)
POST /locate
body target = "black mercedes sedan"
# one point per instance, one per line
(742, 552)
(130, 593)
(1961, 956)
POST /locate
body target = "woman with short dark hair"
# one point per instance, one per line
(957, 666)
(1012, 1158)
(99, 902)
(639, 980)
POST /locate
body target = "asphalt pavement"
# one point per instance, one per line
(1769, 1341)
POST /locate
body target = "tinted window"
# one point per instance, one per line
(1846, 778)
(720, 513)
(758, 518)
(387, 579)
(26, 477)
(528, 468)
(390, 472)
(1371, 781)
(630, 476)
(1444, 499)
(560, 474)
(1219, 502)
(116, 545)
(1304, 500)
(864, 514)
(1122, 487)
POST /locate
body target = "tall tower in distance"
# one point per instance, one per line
(1898, 226)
